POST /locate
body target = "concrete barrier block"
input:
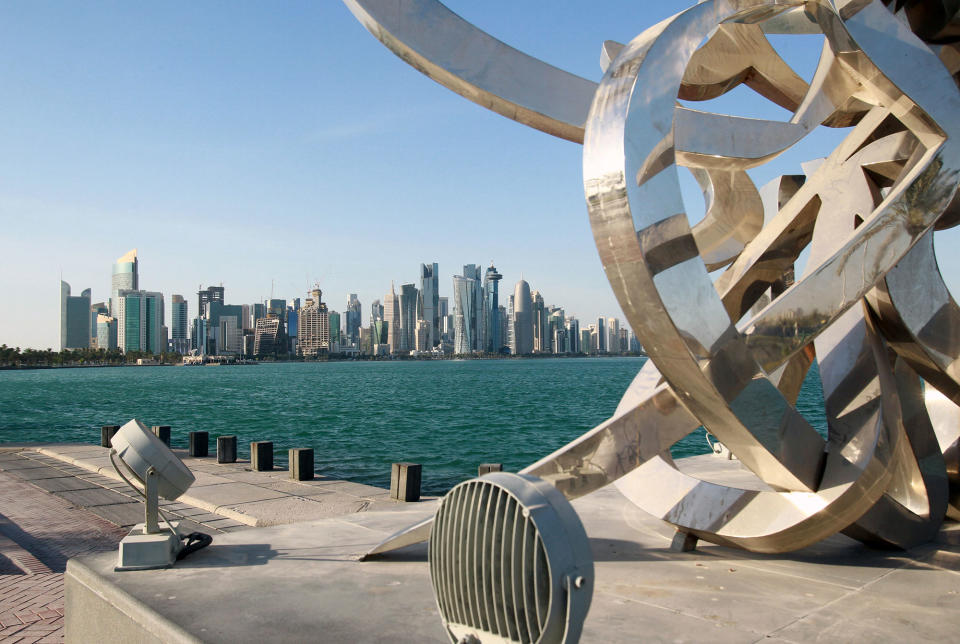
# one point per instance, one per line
(199, 444)
(301, 464)
(261, 456)
(106, 434)
(226, 449)
(163, 433)
(405, 481)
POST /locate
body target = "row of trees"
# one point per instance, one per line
(15, 357)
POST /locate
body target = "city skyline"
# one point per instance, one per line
(242, 146)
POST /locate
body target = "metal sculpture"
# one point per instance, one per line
(730, 333)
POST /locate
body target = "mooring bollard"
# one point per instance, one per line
(163, 433)
(106, 434)
(405, 481)
(261, 456)
(199, 444)
(301, 463)
(226, 449)
(486, 468)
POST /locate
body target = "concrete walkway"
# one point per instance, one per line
(61, 501)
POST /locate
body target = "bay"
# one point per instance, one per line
(359, 417)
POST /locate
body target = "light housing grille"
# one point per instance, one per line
(507, 555)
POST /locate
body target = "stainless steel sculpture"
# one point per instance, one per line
(729, 332)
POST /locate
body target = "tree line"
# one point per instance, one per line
(17, 357)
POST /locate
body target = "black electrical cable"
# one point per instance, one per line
(194, 541)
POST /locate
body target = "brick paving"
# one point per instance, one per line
(42, 525)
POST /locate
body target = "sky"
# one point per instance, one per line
(268, 146)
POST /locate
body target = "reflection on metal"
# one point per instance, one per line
(730, 332)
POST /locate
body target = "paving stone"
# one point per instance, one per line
(36, 473)
(64, 484)
(94, 497)
(122, 514)
(218, 495)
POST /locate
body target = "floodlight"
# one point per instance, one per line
(161, 473)
(510, 562)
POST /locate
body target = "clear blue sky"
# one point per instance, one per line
(256, 143)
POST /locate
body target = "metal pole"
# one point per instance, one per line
(153, 500)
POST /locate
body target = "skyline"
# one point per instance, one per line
(250, 146)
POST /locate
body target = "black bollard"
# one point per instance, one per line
(301, 464)
(106, 434)
(261, 456)
(163, 433)
(405, 481)
(486, 468)
(226, 449)
(199, 444)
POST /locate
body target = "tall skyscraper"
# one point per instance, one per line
(465, 290)
(522, 319)
(541, 325)
(269, 338)
(504, 320)
(354, 318)
(335, 329)
(206, 296)
(478, 323)
(97, 309)
(601, 332)
(75, 330)
(408, 317)
(391, 315)
(492, 341)
(314, 338)
(613, 335)
(125, 277)
(106, 332)
(430, 301)
(140, 321)
(178, 317)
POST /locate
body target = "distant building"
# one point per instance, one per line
(125, 278)
(423, 336)
(465, 291)
(314, 333)
(601, 331)
(408, 317)
(106, 332)
(75, 330)
(429, 308)
(336, 336)
(391, 315)
(446, 329)
(206, 296)
(100, 308)
(493, 339)
(613, 335)
(140, 322)
(585, 341)
(504, 322)
(269, 338)
(573, 335)
(178, 317)
(353, 318)
(541, 332)
(277, 309)
(522, 319)
(376, 312)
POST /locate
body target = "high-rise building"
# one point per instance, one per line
(277, 309)
(478, 323)
(423, 336)
(140, 321)
(558, 332)
(492, 341)
(601, 331)
(613, 335)
(408, 317)
(269, 338)
(465, 289)
(376, 311)
(335, 330)
(511, 338)
(541, 327)
(504, 321)
(522, 319)
(585, 337)
(573, 334)
(391, 315)
(106, 332)
(207, 295)
(353, 318)
(75, 330)
(178, 317)
(446, 329)
(314, 337)
(100, 308)
(257, 310)
(430, 301)
(125, 277)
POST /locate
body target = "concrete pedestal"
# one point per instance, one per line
(301, 464)
(261, 456)
(226, 449)
(199, 444)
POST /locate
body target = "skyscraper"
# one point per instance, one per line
(124, 278)
(140, 321)
(601, 332)
(106, 332)
(541, 326)
(354, 317)
(376, 312)
(314, 338)
(613, 335)
(478, 321)
(430, 301)
(97, 309)
(75, 330)
(408, 317)
(465, 289)
(391, 315)
(206, 296)
(335, 335)
(269, 338)
(493, 340)
(178, 324)
(522, 319)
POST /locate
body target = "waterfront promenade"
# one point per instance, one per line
(298, 578)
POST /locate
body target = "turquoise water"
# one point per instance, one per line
(358, 416)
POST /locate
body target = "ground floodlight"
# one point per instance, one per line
(510, 562)
(151, 463)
